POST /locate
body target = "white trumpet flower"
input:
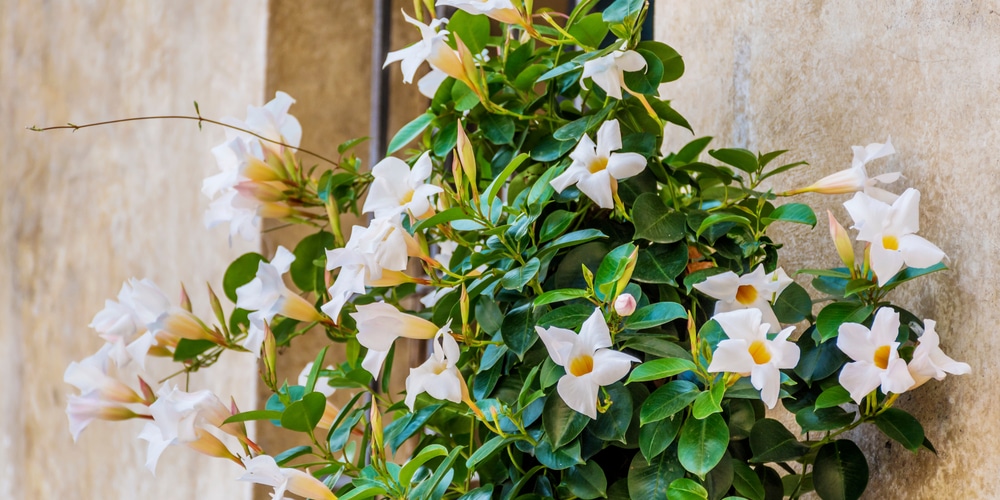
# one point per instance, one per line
(380, 324)
(876, 357)
(756, 290)
(438, 376)
(596, 170)
(589, 363)
(608, 72)
(856, 178)
(398, 189)
(929, 361)
(262, 469)
(410, 58)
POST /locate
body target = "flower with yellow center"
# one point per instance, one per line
(856, 178)
(398, 189)
(438, 376)
(589, 364)
(596, 170)
(891, 231)
(929, 361)
(380, 324)
(748, 351)
(755, 290)
(876, 359)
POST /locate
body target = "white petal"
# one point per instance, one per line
(918, 252)
(597, 187)
(609, 82)
(609, 138)
(885, 327)
(896, 378)
(595, 333)
(720, 286)
(733, 356)
(373, 361)
(853, 340)
(559, 342)
(579, 393)
(885, 263)
(282, 260)
(741, 324)
(584, 154)
(629, 60)
(767, 379)
(860, 379)
(625, 165)
(571, 176)
(429, 84)
(904, 216)
(610, 366)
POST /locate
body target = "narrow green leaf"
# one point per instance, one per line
(561, 295)
(409, 132)
(655, 315)
(493, 445)
(291, 454)
(253, 415)
(659, 369)
(667, 400)
(799, 213)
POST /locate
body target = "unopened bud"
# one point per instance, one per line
(842, 241)
(625, 304)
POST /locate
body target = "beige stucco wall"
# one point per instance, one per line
(81, 212)
(817, 77)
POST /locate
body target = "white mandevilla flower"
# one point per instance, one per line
(891, 231)
(374, 256)
(438, 376)
(596, 170)
(90, 376)
(625, 304)
(84, 409)
(876, 358)
(501, 10)
(270, 121)
(185, 418)
(398, 189)
(856, 178)
(608, 72)
(929, 361)
(755, 290)
(380, 324)
(267, 296)
(589, 363)
(748, 351)
(262, 469)
(410, 58)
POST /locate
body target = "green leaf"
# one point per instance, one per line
(612, 268)
(303, 415)
(817, 362)
(708, 402)
(902, 427)
(657, 436)
(310, 261)
(253, 415)
(314, 370)
(240, 272)
(702, 443)
(291, 454)
(799, 213)
(623, 11)
(667, 400)
(686, 489)
(793, 305)
(651, 479)
(561, 423)
(409, 132)
(830, 318)
(655, 315)
(498, 129)
(770, 441)
(554, 225)
(518, 331)
(673, 65)
(561, 458)
(720, 218)
(396, 434)
(474, 30)
(660, 368)
(449, 215)
(561, 295)
(912, 273)
(589, 30)
(428, 488)
(569, 317)
(445, 139)
(832, 396)
(655, 222)
(570, 239)
(739, 158)
(586, 481)
(746, 482)
(425, 455)
(493, 445)
(517, 278)
(614, 423)
(840, 471)
(491, 192)
(344, 146)
(824, 419)
(660, 263)
(190, 348)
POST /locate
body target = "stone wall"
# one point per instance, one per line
(81, 212)
(816, 77)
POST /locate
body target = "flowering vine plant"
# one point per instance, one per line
(604, 319)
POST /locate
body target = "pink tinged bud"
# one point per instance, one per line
(842, 240)
(260, 191)
(178, 325)
(82, 410)
(625, 304)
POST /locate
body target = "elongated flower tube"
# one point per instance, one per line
(262, 469)
(856, 178)
(82, 410)
(267, 296)
(608, 72)
(876, 357)
(596, 170)
(438, 376)
(398, 189)
(929, 361)
(749, 351)
(589, 363)
(891, 231)
(755, 290)
(380, 324)
(90, 376)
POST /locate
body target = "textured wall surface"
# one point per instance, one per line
(817, 77)
(81, 212)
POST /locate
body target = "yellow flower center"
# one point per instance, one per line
(759, 352)
(890, 243)
(408, 197)
(439, 367)
(581, 365)
(746, 294)
(881, 359)
(597, 165)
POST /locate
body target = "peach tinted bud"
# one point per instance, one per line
(625, 304)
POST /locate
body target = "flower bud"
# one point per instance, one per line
(842, 241)
(625, 304)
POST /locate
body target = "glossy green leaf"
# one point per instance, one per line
(614, 423)
(657, 436)
(474, 30)
(824, 419)
(247, 416)
(422, 457)
(655, 222)
(799, 213)
(660, 368)
(309, 266)
(840, 471)
(488, 449)
(240, 272)
(739, 158)
(832, 396)
(902, 427)
(793, 304)
(303, 415)
(561, 295)
(291, 454)
(517, 330)
(190, 348)
(589, 30)
(708, 402)
(517, 278)
(554, 225)
(746, 482)
(651, 479)
(660, 263)
(586, 481)
(770, 441)
(561, 423)
(830, 318)
(702, 443)
(667, 400)
(655, 315)
(409, 132)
